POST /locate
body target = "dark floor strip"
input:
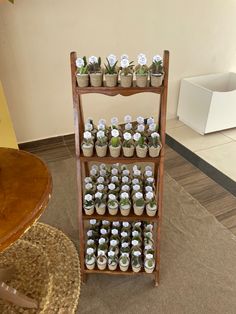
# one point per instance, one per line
(201, 164)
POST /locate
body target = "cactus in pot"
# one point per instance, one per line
(90, 258)
(141, 71)
(124, 261)
(112, 204)
(101, 144)
(156, 71)
(141, 146)
(128, 145)
(100, 203)
(126, 72)
(87, 144)
(136, 261)
(115, 145)
(149, 263)
(154, 145)
(151, 207)
(88, 204)
(139, 204)
(111, 71)
(125, 204)
(95, 71)
(112, 260)
(82, 72)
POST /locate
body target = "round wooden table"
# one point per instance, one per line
(25, 189)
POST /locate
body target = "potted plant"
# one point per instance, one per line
(90, 258)
(95, 71)
(149, 263)
(113, 189)
(89, 188)
(126, 72)
(124, 261)
(112, 204)
(136, 261)
(156, 71)
(87, 144)
(115, 146)
(154, 145)
(138, 204)
(101, 144)
(88, 204)
(125, 204)
(112, 260)
(128, 145)
(141, 71)
(82, 72)
(151, 207)
(111, 71)
(141, 146)
(100, 203)
(114, 245)
(102, 261)
(93, 173)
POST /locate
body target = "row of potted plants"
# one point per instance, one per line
(120, 191)
(140, 137)
(91, 72)
(120, 243)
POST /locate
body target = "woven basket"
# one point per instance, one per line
(111, 80)
(101, 150)
(156, 80)
(126, 80)
(115, 151)
(82, 80)
(154, 151)
(141, 152)
(141, 80)
(128, 151)
(96, 79)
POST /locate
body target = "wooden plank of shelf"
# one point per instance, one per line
(119, 217)
(118, 90)
(111, 160)
(118, 272)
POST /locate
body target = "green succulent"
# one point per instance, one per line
(156, 67)
(110, 69)
(139, 202)
(115, 141)
(95, 67)
(141, 69)
(83, 69)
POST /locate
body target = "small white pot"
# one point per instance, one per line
(112, 266)
(151, 211)
(96, 79)
(128, 151)
(154, 151)
(126, 80)
(115, 151)
(124, 267)
(148, 269)
(103, 265)
(90, 265)
(101, 209)
(111, 80)
(141, 151)
(125, 210)
(87, 150)
(89, 210)
(138, 210)
(113, 210)
(136, 269)
(101, 150)
(156, 80)
(82, 80)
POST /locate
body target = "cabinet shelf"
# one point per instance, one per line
(119, 217)
(121, 159)
(118, 90)
(83, 162)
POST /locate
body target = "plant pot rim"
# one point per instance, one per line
(157, 74)
(84, 74)
(108, 74)
(141, 74)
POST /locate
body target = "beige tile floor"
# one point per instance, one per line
(218, 149)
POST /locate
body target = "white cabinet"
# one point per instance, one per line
(208, 103)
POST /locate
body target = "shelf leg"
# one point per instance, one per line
(157, 279)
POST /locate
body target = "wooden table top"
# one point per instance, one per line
(25, 188)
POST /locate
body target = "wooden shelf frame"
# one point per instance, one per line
(82, 161)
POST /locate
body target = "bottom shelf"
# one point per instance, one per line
(118, 272)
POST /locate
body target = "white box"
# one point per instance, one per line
(208, 103)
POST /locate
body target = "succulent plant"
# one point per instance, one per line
(156, 67)
(95, 66)
(82, 65)
(110, 67)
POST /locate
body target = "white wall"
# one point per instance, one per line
(36, 37)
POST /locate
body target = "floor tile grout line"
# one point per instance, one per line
(210, 147)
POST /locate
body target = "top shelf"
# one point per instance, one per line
(118, 90)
